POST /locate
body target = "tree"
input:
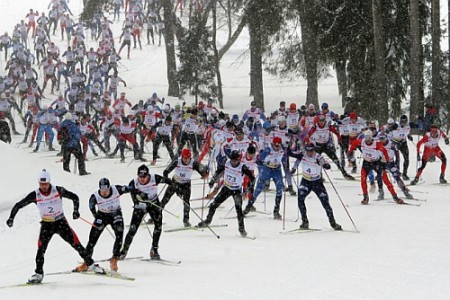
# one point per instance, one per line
(197, 64)
(169, 21)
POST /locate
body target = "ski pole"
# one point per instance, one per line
(195, 213)
(284, 207)
(343, 205)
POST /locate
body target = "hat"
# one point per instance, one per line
(44, 176)
(238, 130)
(104, 184)
(186, 153)
(281, 119)
(368, 134)
(143, 171)
(292, 106)
(276, 140)
(282, 103)
(309, 147)
(68, 116)
(324, 105)
(353, 115)
(311, 107)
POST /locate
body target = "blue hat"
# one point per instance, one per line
(324, 105)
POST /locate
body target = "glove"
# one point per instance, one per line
(211, 184)
(142, 196)
(141, 206)
(326, 166)
(418, 156)
(410, 138)
(10, 222)
(395, 126)
(75, 214)
(168, 181)
(446, 141)
(251, 188)
(341, 145)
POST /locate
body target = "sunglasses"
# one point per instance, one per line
(143, 175)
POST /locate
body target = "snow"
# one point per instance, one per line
(401, 252)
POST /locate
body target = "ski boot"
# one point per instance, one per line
(415, 181)
(380, 194)
(153, 162)
(372, 187)
(354, 169)
(365, 199)
(408, 194)
(203, 224)
(442, 179)
(398, 200)
(36, 278)
(277, 215)
(335, 225)
(290, 190)
(97, 269)
(242, 232)
(348, 176)
(405, 176)
(113, 264)
(154, 254)
(305, 224)
(187, 224)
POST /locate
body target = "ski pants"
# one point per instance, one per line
(266, 174)
(102, 220)
(136, 219)
(183, 190)
(165, 139)
(316, 186)
(403, 149)
(62, 228)
(44, 128)
(223, 195)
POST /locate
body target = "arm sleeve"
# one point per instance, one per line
(30, 198)
(92, 204)
(72, 196)
(170, 168)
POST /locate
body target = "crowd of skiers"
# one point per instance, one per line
(240, 153)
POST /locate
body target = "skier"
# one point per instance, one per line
(181, 181)
(312, 164)
(371, 153)
(233, 172)
(48, 200)
(108, 212)
(69, 136)
(144, 193)
(431, 147)
(270, 160)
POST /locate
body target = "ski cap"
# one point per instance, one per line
(68, 116)
(143, 171)
(368, 134)
(186, 153)
(293, 106)
(276, 140)
(309, 147)
(104, 184)
(44, 176)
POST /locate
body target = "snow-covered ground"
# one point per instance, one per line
(401, 252)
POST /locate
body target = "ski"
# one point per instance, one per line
(25, 284)
(234, 217)
(416, 199)
(163, 261)
(126, 258)
(298, 230)
(404, 203)
(109, 274)
(213, 226)
(248, 237)
(184, 229)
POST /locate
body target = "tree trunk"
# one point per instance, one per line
(216, 57)
(436, 54)
(415, 60)
(309, 45)
(448, 76)
(379, 49)
(169, 40)
(256, 74)
(341, 74)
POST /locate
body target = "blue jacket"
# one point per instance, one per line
(74, 134)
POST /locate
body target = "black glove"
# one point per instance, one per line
(75, 214)
(395, 126)
(341, 145)
(142, 196)
(10, 222)
(326, 166)
(251, 188)
(168, 180)
(410, 138)
(211, 184)
(418, 156)
(446, 141)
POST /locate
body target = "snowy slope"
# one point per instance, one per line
(400, 252)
